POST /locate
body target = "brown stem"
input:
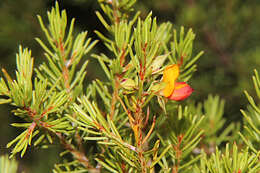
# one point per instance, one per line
(113, 103)
(65, 68)
(138, 116)
(178, 152)
(76, 154)
(114, 97)
(115, 11)
(143, 66)
(79, 155)
(30, 130)
(65, 73)
(138, 133)
(150, 131)
(78, 137)
(136, 122)
(130, 117)
(122, 57)
(140, 151)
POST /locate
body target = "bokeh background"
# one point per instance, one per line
(227, 30)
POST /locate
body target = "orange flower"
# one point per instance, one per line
(175, 90)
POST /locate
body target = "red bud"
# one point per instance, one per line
(181, 91)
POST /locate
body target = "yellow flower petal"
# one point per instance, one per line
(170, 74)
(168, 90)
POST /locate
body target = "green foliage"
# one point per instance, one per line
(216, 131)
(42, 100)
(229, 161)
(251, 135)
(124, 123)
(181, 131)
(7, 165)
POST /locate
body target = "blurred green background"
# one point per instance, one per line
(227, 30)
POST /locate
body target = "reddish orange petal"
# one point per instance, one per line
(170, 74)
(182, 91)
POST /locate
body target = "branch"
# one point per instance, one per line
(76, 153)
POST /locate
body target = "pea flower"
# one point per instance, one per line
(175, 90)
